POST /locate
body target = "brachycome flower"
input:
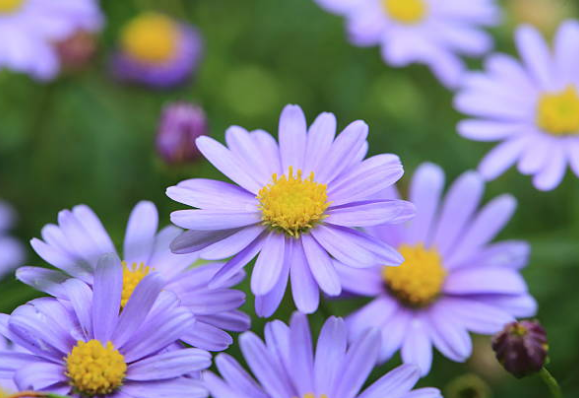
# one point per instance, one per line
(297, 204)
(87, 345)
(531, 106)
(79, 240)
(287, 366)
(30, 28)
(431, 32)
(453, 279)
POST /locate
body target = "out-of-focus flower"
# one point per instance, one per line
(453, 279)
(469, 385)
(287, 366)
(522, 347)
(85, 344)
(77, 243)
(181, 124)
(76, 51)
(297, 204)
(11, 250)
(157, 50)
(29, 29)
(431, 32)
(532, 107)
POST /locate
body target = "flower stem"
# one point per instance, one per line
(551, 383)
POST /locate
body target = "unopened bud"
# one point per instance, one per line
(76, 51)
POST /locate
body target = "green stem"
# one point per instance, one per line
(551, 383)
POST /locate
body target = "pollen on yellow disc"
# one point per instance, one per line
(558, 113)
(293, 204)
(405, 11)
(8, 6)
(132, 276)
(151, 37)
(417, 281)
(95, 369)
(312, 395)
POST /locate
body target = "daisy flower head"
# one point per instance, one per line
(87, 345)
(531, 106)
(157, 50)
(287, 366)
(296, 203)
(12, 252)
(454, 279)
(75, 245)
(431, 32)
(35, 26)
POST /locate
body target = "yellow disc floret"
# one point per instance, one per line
(418, 281)
(151, 37)
(312, 395)
(558, 113)
(406, 11)
(8, 6)
(132, 276)
(293, 204)
(95, 369)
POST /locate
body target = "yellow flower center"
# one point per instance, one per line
(558, 113)
(406, 11)
(3, 393)
(94, 369)
(132, 276)
(8, 6)
(312, 395)
(417, 281)
(293, 204)
(151, 37)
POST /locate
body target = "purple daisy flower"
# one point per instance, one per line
(297, 204)
(287, 367)
(531, 106)
(85, 346)
(453, 279)
(77, 243)
(158, 51)
(431, 32)
(7, 386)
(11, 250)
(33, 26)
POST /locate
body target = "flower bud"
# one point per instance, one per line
(77, 50)
(181, 124)
(521, 347)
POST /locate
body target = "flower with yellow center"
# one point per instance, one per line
(94, 369)
(151, 38)
(558, 113)
(418, 281)
(9, 6)
(293, 204)
(406, 11)
(132, 276)
(312, 395)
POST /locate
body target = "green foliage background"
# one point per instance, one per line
(86, 139)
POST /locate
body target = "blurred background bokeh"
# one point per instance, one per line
(86, 138)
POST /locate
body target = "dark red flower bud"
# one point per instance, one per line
(77, 50)
(521, 347)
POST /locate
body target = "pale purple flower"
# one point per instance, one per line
(297, 204)
(431, 32)
(79, 240)
(287, 366)
(29, 28)
(83, 345)
(7, 386)
(454, 279)
(531, 106)
(11, 250)
(165, 58)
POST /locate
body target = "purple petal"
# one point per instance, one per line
(320, 137)
(39, 376)
(42, 279)
(194, 241)
(141, 231)
(364, 214)
(269, 264)
(236, 376)
(232, 244)
(321, 266)
(207, 337)
(301, 357)
(362, 281)
(233, 266)
(417, 348)
(484, 280)
(394, 383)
(330, 353)
(304, 287)
(211, 220)
(108, 286)
(169, 365)
(212, 195)
(536, 55)
(292, 137)
(476, 316)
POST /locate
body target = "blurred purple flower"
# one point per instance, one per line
(287, 366)
(453, 280)
(181, 124)
(11, 250)
(531, 106)
(522, 347)
(84, 345)
(32, 27)
(77, 243)
(297, 204)
(157, 51)
(430, 32)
